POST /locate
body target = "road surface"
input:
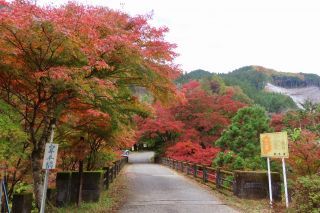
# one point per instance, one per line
(155, 188)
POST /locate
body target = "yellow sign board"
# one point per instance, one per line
(274, 145)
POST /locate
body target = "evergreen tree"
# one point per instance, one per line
(240, 142)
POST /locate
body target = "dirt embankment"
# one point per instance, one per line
(298, 95)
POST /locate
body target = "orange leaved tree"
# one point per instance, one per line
(54, 60)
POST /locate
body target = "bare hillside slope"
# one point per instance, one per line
(299, 95)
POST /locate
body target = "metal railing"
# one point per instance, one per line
(112, 171)
(221, 179)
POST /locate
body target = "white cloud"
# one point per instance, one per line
(220, 36)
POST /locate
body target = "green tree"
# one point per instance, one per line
(10, 132)
(252, 80)
(240, 142)
(13, 145)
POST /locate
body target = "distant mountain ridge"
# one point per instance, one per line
(193, 75)
(289, 80)
(255, 82)
(278, 78)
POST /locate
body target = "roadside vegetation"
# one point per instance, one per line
(104, 80)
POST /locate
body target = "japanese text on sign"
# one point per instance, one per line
(274, 145)
(50, 156)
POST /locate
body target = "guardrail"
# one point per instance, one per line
(243, 184)
(112, 171)
(217, 177)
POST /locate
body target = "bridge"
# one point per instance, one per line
(156, 188)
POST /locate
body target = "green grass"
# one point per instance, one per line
(104, 204)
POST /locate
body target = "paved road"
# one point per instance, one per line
(155, 189)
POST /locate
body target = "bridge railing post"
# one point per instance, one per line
(205, 174)
(118, 167)
(111, 174)
(107, 177)
(188, 169)
(115, 169)
(218, 178)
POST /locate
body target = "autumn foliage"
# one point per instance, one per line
(304, 133)
(74, 67)
(192, 152)
(190, 126)
(305, 154)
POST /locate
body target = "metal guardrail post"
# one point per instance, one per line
(107, 177)
(111, 173)
(115, 170)
(118, 167)
(188, 169)
(218, 177)
(205, 174)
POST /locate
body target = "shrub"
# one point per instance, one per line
(307, 194)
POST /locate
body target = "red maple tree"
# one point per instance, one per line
(54, 60)
(191, 124)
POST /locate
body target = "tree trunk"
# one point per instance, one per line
(37, 177)
(36, 161)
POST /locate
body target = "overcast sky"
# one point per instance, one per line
(222, 35)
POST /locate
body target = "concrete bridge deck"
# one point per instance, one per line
(155, 188)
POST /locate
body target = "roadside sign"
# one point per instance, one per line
(274, 145)
(49, 162)
(50, 156)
